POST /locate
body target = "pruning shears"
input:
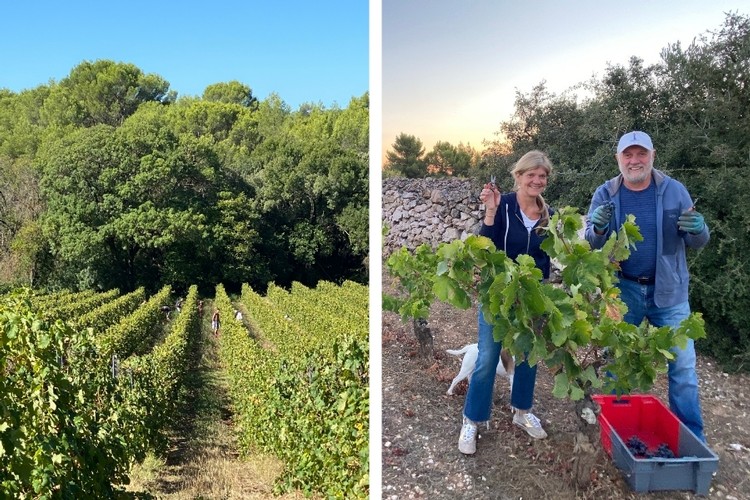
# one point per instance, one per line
(492, 181)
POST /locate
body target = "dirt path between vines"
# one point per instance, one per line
(421, 425)
(203, 460)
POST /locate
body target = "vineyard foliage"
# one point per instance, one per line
(83, 399)
(159, 374)
(45, 300)
(73, 418)
(77, 305)
(299, 379)
(136, 332)
(111, 312)
(328, 295)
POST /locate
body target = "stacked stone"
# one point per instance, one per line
(429, 211)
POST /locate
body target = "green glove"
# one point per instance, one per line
(601, 215)
(691, 222)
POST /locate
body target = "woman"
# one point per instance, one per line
(509, 221)
(215, 322)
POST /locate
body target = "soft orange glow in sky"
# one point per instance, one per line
(450, 70)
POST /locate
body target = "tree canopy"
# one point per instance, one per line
(407, 157)
(109, 180)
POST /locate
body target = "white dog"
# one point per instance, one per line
(506, 366)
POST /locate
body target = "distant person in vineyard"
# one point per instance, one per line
(215, 322)
(166, 310)
(237, 315)
(654, 279)
(200, 308)
(511, 222)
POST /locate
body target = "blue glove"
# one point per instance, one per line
(691, 222)
(601, 215)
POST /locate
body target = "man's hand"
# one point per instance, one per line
(691, 222)
(601, 215)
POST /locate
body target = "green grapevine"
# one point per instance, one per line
(107, 314)
(137, 332)
(568, 327)
(305, 370)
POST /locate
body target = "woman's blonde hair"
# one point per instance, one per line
(530, 161)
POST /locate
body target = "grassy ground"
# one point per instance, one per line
(203, 461)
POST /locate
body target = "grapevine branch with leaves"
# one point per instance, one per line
(576, 328)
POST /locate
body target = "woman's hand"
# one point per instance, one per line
(490, 196)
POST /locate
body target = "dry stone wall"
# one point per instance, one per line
(429, 211)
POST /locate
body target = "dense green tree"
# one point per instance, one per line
(351, 133)
(21, 127)
(309, 178)
(354, 222)
(27, 251)
(705, 137)
(272, 115)
(235, 241)
(351, 130)
(74, 171)
(128, 192)
(406, 158)
(121, 200)
(447, 159)
(103, 92)
(232, 92)
(204, 118)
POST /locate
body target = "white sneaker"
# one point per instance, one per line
(467, 442)
(528, 422)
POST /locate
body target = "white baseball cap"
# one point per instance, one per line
(635, 138)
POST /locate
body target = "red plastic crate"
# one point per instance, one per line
(647, 418)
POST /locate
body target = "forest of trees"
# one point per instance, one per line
(108, 179)
(695, 104)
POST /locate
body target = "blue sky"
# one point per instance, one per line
(303, 51)
(451, 74)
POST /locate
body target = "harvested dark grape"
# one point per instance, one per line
(663, 451)
(637, 447)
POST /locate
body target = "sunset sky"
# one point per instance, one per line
(450, 70)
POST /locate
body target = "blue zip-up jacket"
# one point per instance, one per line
(672, 277)
(509, 234)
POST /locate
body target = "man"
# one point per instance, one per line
(654, 279)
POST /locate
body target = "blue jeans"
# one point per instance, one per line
(479, 396)
(683, 379)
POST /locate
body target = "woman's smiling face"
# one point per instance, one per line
(532, 182)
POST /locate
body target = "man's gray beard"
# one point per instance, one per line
(640, 177)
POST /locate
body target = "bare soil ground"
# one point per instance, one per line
(421, 425)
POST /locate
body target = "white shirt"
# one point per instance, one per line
(529, 223)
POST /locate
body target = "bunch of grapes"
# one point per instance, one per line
(663, 451)
(639, 449)
(609, 209)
